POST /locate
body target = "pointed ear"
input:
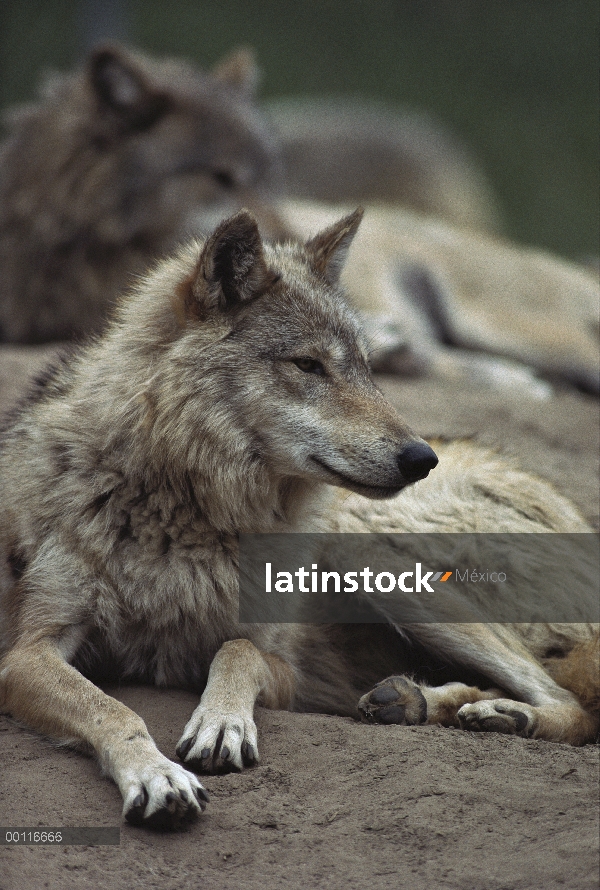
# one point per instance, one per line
(230, 272)
(239, 70)
(124, 88)
(328, 250)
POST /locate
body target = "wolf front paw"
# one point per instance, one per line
(395, 700)
(498, 715)
(162, 795)
(217, 742)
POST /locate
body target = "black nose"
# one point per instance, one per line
(416, 460)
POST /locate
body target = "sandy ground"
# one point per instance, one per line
(333, 803)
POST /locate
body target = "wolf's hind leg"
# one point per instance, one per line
(559, 721)
(402, 701)
(540, 708)
(221, 733)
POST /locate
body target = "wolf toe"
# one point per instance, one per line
(395, 700)
(500, 715)
(216, 742)
(163, 796)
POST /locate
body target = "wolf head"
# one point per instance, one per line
(115, 166)
(263, 368)
(189, 141)
(143, 146)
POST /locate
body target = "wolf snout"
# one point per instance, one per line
(416, 460)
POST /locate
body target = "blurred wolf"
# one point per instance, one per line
(232, 394)
(455, 303)
(121, 160)
(114, 166)
(342, 149)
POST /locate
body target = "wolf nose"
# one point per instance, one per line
(416, 460)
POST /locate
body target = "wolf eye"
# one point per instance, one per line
(310, 366)
(224, 178)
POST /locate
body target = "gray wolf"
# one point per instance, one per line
(113, 167)
(232, 394)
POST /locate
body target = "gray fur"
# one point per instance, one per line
(116, 164)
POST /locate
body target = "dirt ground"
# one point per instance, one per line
(334, 803)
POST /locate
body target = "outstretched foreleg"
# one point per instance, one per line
(39, 687)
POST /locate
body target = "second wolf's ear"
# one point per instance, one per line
(231, 270)
(239, 70)
(328, 250)
(123, 88)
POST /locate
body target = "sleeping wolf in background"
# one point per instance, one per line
(458, 304)
(116, 165)
(232, 394)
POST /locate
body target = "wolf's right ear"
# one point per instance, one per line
(328, 250)
(123, 88)
(230, 272)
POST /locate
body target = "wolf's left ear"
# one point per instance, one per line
(328, 250)
(231, 270)
(239, 70)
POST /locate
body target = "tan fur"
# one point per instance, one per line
(578, 671)
(232, 394)
(439, 298)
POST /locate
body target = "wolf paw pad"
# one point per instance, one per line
(216, 742)
(395, 700)
(509, 717)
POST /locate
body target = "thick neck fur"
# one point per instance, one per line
(147, 416)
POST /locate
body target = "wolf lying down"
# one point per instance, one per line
(232, 394)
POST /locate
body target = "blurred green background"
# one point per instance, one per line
(516, 79)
